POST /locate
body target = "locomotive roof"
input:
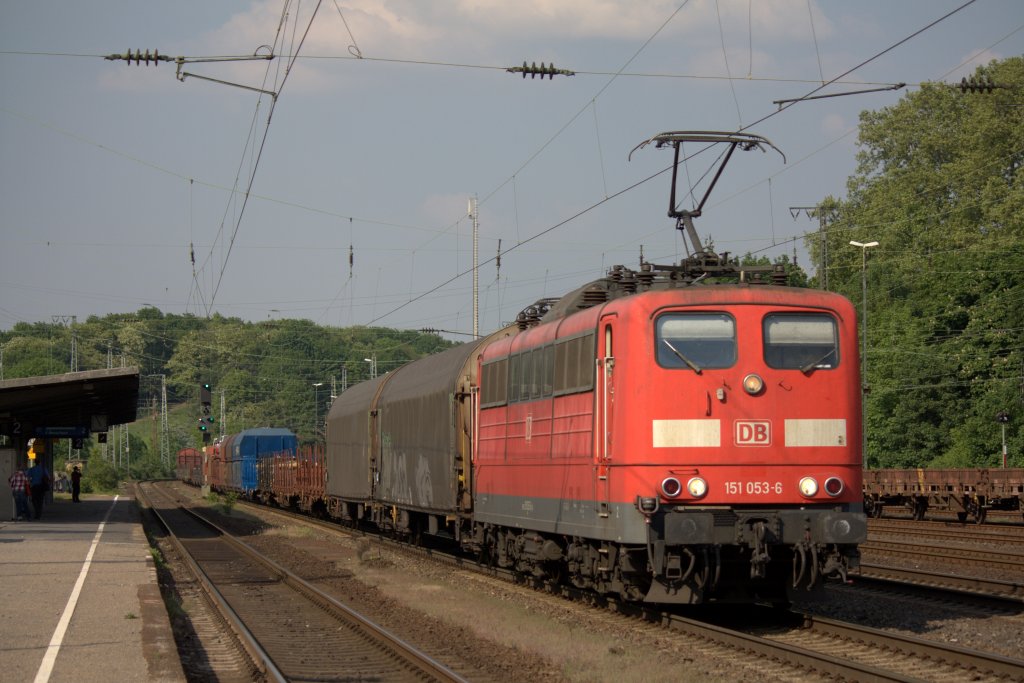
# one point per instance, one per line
(622, 282)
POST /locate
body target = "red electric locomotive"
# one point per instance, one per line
(679, 444)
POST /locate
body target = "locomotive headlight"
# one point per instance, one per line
(808, 487)
(834, 486)
(697, 487)
(753, 384)
(671, 487)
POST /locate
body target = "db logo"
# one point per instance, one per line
(753, 433)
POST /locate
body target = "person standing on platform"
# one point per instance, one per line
(76, 484)
(39, 480)
(20, 490)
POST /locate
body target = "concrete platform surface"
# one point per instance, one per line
(79, 599)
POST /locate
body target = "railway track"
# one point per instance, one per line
(292, 631)
(901, 657)
(1008, 561)
(924, 552)
(807, 643)
(997, 589)
(947, 531)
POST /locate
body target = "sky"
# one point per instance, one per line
(343, 198)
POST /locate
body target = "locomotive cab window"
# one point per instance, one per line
(800, 341)
(695, 341)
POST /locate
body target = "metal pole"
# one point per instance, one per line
(864, 306)
(316, 410)
(165, 429)
(476, 273)
(864, 346)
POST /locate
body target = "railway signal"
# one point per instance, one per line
(206, 415)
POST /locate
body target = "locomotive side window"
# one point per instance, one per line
(548, 373)
(514, 377)
(695, 341)
(495, 383)
(800, 341)
(526, 376)
(574, 365)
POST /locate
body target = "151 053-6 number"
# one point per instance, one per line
(753, 488)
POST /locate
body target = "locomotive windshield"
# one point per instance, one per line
(800, 341)
(696, 341)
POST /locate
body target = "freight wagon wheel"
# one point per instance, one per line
(920, 506)
(976, 506)
(961, 517)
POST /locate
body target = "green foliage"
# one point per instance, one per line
(228, 501)
(939, 187)
(99, 475)
(265, 371)
(149, 466)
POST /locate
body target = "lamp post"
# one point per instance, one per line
(864, 246)
(316, 410)
(373, 365)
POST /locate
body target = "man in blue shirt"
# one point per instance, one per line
(39, 482)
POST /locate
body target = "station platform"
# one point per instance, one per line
(79, 599)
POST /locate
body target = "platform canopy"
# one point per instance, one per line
(68, 405)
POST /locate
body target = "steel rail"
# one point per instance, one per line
(256, 652)
(408, 652)
(953, 655)
(973, 556)
(1011, 591)
(417, 659)
(958, 531)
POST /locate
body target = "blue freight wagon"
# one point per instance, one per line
(242, 452)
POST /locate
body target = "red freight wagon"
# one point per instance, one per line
(299, 479)
(190, 466)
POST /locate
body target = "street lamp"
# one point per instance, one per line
(864, 246)
(373, 365)
(316, 409)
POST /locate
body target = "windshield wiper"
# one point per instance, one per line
(693, 366)
(810, 366)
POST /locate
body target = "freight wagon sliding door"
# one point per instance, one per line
(350, 430)
(419, 460)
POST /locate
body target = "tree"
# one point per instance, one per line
(939, 187)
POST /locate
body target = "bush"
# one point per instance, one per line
(99, 476)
